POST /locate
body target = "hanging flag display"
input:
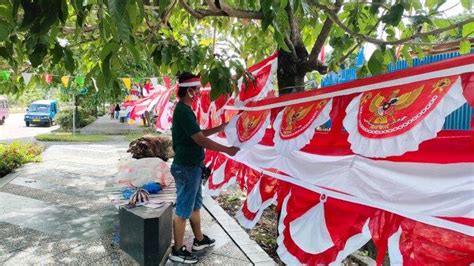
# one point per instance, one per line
(65, 81)
(260, 83)
(26, 77)
(127, 83)
(385, 170)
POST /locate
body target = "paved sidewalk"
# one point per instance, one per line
(105, 125)
(58, 212)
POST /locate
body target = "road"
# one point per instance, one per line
(15, 128)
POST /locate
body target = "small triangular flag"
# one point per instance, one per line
(26, 77)
(4, 75)
(48, 78)
(127, 82)
(136, 80)
(80, 80)
(65, 80)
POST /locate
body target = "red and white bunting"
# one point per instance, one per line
(296, 124)
(248, 128)
(394, 120)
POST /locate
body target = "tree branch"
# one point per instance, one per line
(225, 11)
(165, 16)
(331, 14)
(295, 35)
(294, 55)
(323, 35)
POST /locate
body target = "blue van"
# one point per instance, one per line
(41, 112)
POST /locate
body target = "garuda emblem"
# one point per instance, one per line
(297, 118)
(384, 108)
(249, 123)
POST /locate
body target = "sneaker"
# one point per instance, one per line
(204, 243)
(182, 256)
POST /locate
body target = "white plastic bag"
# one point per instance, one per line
(139, 172)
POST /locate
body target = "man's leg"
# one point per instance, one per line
(179, 226)
(195, 221)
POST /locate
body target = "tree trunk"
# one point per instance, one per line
(289, 78)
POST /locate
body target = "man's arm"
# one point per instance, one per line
(212, 131)
(207, 143)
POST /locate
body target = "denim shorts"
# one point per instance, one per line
(188, 189)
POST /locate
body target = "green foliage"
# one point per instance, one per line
(68, 137)
(15, 154)
(464, 46)
(83, 118)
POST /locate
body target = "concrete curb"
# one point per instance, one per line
(238, 235)
(7, 179)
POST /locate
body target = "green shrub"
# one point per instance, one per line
(83, 118)
(15, 154)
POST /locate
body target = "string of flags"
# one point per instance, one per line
(79, 80)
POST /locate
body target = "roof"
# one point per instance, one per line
(3, 97)
(44, 102)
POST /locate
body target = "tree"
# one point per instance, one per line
(108, 39)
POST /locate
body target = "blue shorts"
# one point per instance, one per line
(188, 189)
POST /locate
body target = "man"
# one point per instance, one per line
(189, 142)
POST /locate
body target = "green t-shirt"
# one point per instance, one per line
(187, 152)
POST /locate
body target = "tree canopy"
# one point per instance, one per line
(109, 39)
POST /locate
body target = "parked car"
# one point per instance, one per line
(3, 109)
(41, 112)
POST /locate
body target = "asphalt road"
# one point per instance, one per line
(15, 128)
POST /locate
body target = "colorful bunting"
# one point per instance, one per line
(80, 80)
(127, 82)
(26, 77)
(4, 75)
(65, 81)
(48, 78)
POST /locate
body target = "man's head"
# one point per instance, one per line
(189, 84)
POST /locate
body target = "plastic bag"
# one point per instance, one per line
(133, 172)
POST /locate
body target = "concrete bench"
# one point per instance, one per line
(145, 233)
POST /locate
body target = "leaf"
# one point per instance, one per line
(118, 11)
(280, 40)
(394, 15)
(431, 3)
(283, 4)
(465, 46)
(57, 53)
(375, 63)
(69, 63)
(5, 29)
(39, 52)
(135, 53)
(374, 8)
(108, 48)
(163, 5)
(467, 4)
(468, 29)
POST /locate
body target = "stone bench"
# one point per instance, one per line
(145, 233)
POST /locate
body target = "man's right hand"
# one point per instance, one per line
(232, 150)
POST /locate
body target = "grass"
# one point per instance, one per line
(68, 137)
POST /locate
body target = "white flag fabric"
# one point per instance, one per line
(95, 85)
(154, 82)
(26, 77)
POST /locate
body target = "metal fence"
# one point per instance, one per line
(457, 120)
